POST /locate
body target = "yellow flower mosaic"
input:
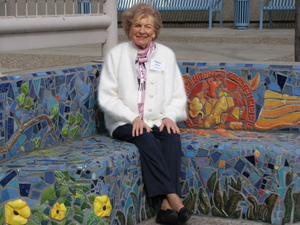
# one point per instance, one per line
(102, 206)
(17, 212)
(58, 211)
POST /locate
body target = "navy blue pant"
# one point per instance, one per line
(160, 159)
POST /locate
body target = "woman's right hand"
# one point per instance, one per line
(138, 126)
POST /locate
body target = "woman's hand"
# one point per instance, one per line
(170, 125)
(138, 126)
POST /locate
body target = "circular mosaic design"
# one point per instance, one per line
(219, 99)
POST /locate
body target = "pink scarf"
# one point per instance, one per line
(142, 58)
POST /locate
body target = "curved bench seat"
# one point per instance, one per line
(243, 175)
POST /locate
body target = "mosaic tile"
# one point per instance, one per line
(261, 168)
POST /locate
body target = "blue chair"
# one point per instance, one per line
(273, 5)
(180, 5)
(126, 4)
(84, 7)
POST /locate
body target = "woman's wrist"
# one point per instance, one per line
(136, 118)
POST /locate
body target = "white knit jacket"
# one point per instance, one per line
(118, 88)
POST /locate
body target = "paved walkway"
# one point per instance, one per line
(189, 44)
(207, 220)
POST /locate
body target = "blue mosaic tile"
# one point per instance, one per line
(260, 66)
(296, 67)
(240, 65)
(248, 65)
(212, 64)
(230, 64)
(281, 67)
(3, 78)
(189, 63)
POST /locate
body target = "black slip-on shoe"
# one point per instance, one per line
(184, 215)
(168, 216)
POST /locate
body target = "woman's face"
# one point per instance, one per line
(142, 31)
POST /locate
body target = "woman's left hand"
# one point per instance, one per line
(170, 125)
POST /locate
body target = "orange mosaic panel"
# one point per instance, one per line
(219, 99)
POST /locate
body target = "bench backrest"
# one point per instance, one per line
(126, 4)
(174, 4)
(186, 4)
(281, 4)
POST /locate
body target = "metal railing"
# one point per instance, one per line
(29, 24)
(34, 8)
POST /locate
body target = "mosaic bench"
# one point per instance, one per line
(239, 160)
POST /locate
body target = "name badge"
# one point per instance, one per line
(157, 66)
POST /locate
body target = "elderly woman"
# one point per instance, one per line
(142, 95)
